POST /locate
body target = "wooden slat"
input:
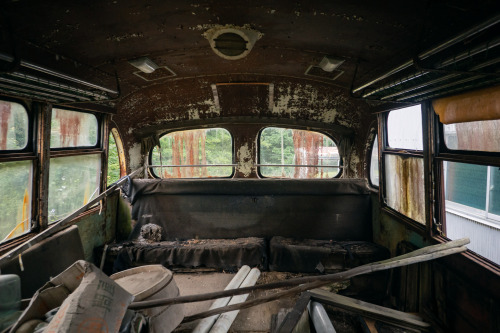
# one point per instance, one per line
(293, 318)
(369, 310)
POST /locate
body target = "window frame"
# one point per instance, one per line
(97, 149)
(29, 149)
(259, 162)
(153, 174)
(442, 154)
(369, 155)
(113, 131)
(28, 153)
(385, 149)
(100, 125)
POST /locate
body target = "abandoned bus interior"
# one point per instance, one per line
(270, 166)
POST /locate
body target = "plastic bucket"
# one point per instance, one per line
(149, 283)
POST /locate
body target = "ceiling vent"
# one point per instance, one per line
(318, 72)
(230, 42)
(160, 73)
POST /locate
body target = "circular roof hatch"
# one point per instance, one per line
(232, 43)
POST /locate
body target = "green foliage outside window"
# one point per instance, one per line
(285, 146)
(15, 198)
(113, 162)
(194, 147)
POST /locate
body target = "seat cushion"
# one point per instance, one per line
(312, 255)
(223, 254)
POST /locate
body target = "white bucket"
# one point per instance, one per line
(149, 283)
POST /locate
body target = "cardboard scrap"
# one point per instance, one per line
(89, 301)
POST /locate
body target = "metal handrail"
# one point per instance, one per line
(191, 165)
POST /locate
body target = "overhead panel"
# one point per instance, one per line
(468, 61)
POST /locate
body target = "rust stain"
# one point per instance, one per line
(5, 112)
(407, 195)
(156, 108)
(481, 136)
(70, 125)
(307, 146)
(121, 152)
(186, 149)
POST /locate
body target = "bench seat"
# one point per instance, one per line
(221, 254)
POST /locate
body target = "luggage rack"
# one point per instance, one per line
(27, 79)
(468, 61)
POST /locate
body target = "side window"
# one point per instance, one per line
(73, 129)
(470, 174)
(291, 153)
(374, 177)
(75, 174)
(113, 158)
(14, 126)
(199, 153)
(473, 136)
(16, 176)
(404, 163)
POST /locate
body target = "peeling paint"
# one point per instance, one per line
(135, 158)
(125, 37)
(215, 27)
(194, 114)
(245, 161)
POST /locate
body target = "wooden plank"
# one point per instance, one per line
(369, 310)
(367, 325)
(305, 283)
(296, 315)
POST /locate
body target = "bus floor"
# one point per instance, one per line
(254, 319)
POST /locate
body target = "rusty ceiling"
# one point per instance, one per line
(93, 41)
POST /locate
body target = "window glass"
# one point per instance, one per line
(475, 135)
(472, 206)
(13, 126)
(73, 182)
(466, 184)
(113, 162)
(404, 182)
(404, 128)
(374, 177)
(73, 129)
(15, 198)
(494, 188)
(472, 188)
(199, 153)
(285, 150)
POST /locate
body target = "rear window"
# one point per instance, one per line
(291, 153)
(199, 153)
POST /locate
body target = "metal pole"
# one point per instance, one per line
(225, 320)
(206, 324)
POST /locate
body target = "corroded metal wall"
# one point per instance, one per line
(456, 293)
(186, 103)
